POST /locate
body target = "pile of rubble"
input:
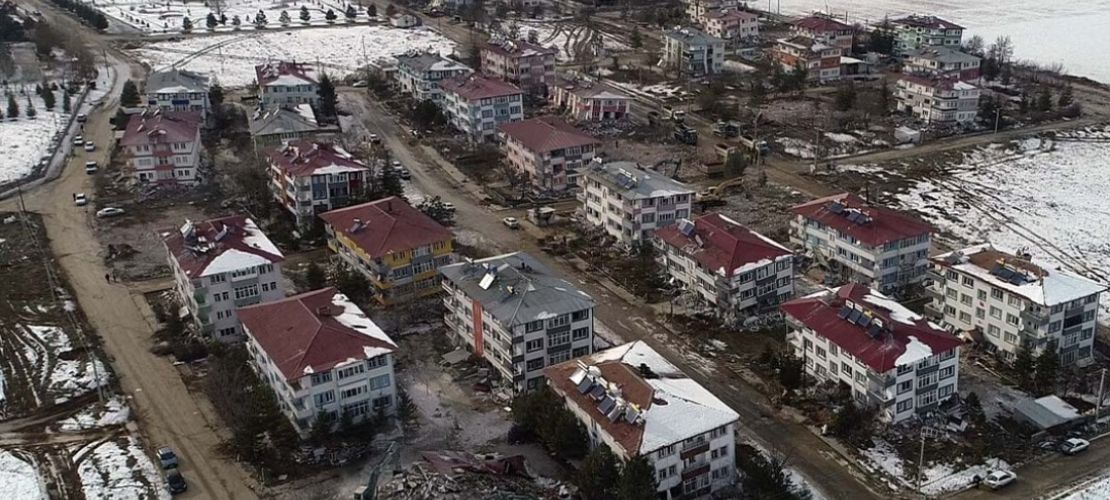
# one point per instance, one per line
(465, 476)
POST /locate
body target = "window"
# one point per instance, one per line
(947, 372)
(379, 382)
(376, 362)
(904, 405)
(383, 402)
(534, 364)
(847, 369)
(246, 292)
(927, 398)
(217, 278)
(945, 391)
(350, 371)
(1011, 319)
(820, 353)
(666, 451)
(968, 282)
(980, 313)
(560, 320)
(580, 315)
(558, 339)
(324, 398)
(996, 313)
(533, 326)
(965, 317)
(981, 294)
(905, 369)
(320, 378)
(993, 330)
(965, 299)
(1054, 326)
(580, 351)
(833, 350)
(352, 392)
(904, 387)
(580, 333)
(996, 294)
(558, 358)
(533, 345)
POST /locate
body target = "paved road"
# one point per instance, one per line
(628, 320)
(1044, 478)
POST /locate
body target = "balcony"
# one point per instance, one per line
(1033, 319)
(933, 310)
(934, 292)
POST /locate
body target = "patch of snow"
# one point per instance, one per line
(915, 351)
(841, 137)
(353, 317)
(898, 312)
(72, 378)
(113, 412)
(25, 141)
(1097, 489)
(255, 238)
(120, 472)
(19, 478)
(233, 260)
(944, 478)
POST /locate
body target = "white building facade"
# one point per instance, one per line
(1012, 303)
(476, 105)
(283, 83)
(175, 89)
(163, 147)
(629, 203)
(692, 52)
(889, 357)
(419, 74)
(938, 100)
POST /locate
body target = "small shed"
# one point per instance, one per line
(1047, 413)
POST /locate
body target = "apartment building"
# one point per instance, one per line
(1011, 302)
(892, 358)
(821, 61)
(937, 100)
(280, 124)
(286, 83)
(513, 312)
(309, 178)
(943, 61)
(630, 203)
(882, 248)
(323, 358)
(163, 147)
(221, 265)
(419, 74)
(915, 32)
(634, 401)
(736, 271)
(732, 25)
(476, 105)
(692, 52)
(548, 151)
(173, 89)
(826, 31)
(526, 65)
(397, 247)
(584, 101)
(697, 10)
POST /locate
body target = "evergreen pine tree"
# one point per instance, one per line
(66, 102)
(1048, 371)
(637, 480)
(13, 107)
(1024, 366)
(599, 474)
(48, 99)
(31, 112)
(211, 21)
(129, 98)
(186, 24)
(1067, 97)
(328, 98)
(1044, 100)
(305, 16)
(236, 22)
(283, 18)
(636, 39)
(330, 16)
(260, 20)
(371, 11)
(223, 19)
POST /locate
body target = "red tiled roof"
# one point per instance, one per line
(161, 127)
(475, 87)
(942, 82)
(820, 24)
(881, 352)
(726, 245)
(302, 335)
(931, 22)
(884, 226)
(304, 158)
(520, 48)
(194, 256)
(386, 226)
(731, 14)
(272, 71)
(546, 133)
(633, 389)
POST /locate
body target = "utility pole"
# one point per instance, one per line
(1101, 384)
(997, 118)
(921, 461)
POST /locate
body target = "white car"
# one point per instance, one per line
(1072, 446)
(448, 206)
(109, 212)
(79, 140)
(511, 222)
(80, 200)
(91, 167)
(999, 478)
(89, 146)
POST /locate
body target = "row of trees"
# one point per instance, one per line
(1038, 375)
(602, 476)
(85, 12)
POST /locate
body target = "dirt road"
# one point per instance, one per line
(1044, 479)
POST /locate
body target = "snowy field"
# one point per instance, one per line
(1048, 197)
(1097, 489)
(25, 141)
(114, 411)
(119, 470)
(1042, 31)
(19, 478)
(168, 16)
(339, 50)
(939, 478)
(570, 38)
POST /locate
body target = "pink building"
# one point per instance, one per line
(526, 65)
(163, 146)
(309, 178)
(585, 101)
(548, 150)
(732, 25)
(826, 31)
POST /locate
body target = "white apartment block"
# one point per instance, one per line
(219, 266)
(323, 358)
(883, 248)
(1011, 302)
(513, 312)
(732, 24)
(892, 358)
(283, 83)
(697, 10)
(419, 74)
(731, 268)
(163, 147)
(692, 52)
(937, 100)
(173, 89)
(634, 401)
(914, 32)
(476, 105)
(630, 203)
(528, 66)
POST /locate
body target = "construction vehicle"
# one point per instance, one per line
(753, 145)
(726, 129)
(714, 196)
(685, 135)
(653, 118)
(675, 115)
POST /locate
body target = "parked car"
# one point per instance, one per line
(80, 200)
(109, 212)
(79, 140)
(89, 146)
(1072, 446)
(511, 222)
(167, 458)
(448, 206)
(91, 167)
(176, 482)
(81, 118)
(999, 478)
(404, 173)
(374, 139)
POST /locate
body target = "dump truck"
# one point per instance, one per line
(753, 145)
(726, 129)
(685, 135)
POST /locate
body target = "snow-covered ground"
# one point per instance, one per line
(1048, 197)
(68, 377)
(570, 38)
(19, 479)
(120, 471)
(339, 50)
(167, 16)
(795, 477)
(1096, 489)
(939, 478)
(1043, 31)
(115, 411)
(25, 141)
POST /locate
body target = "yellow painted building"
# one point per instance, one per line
(396, 246)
